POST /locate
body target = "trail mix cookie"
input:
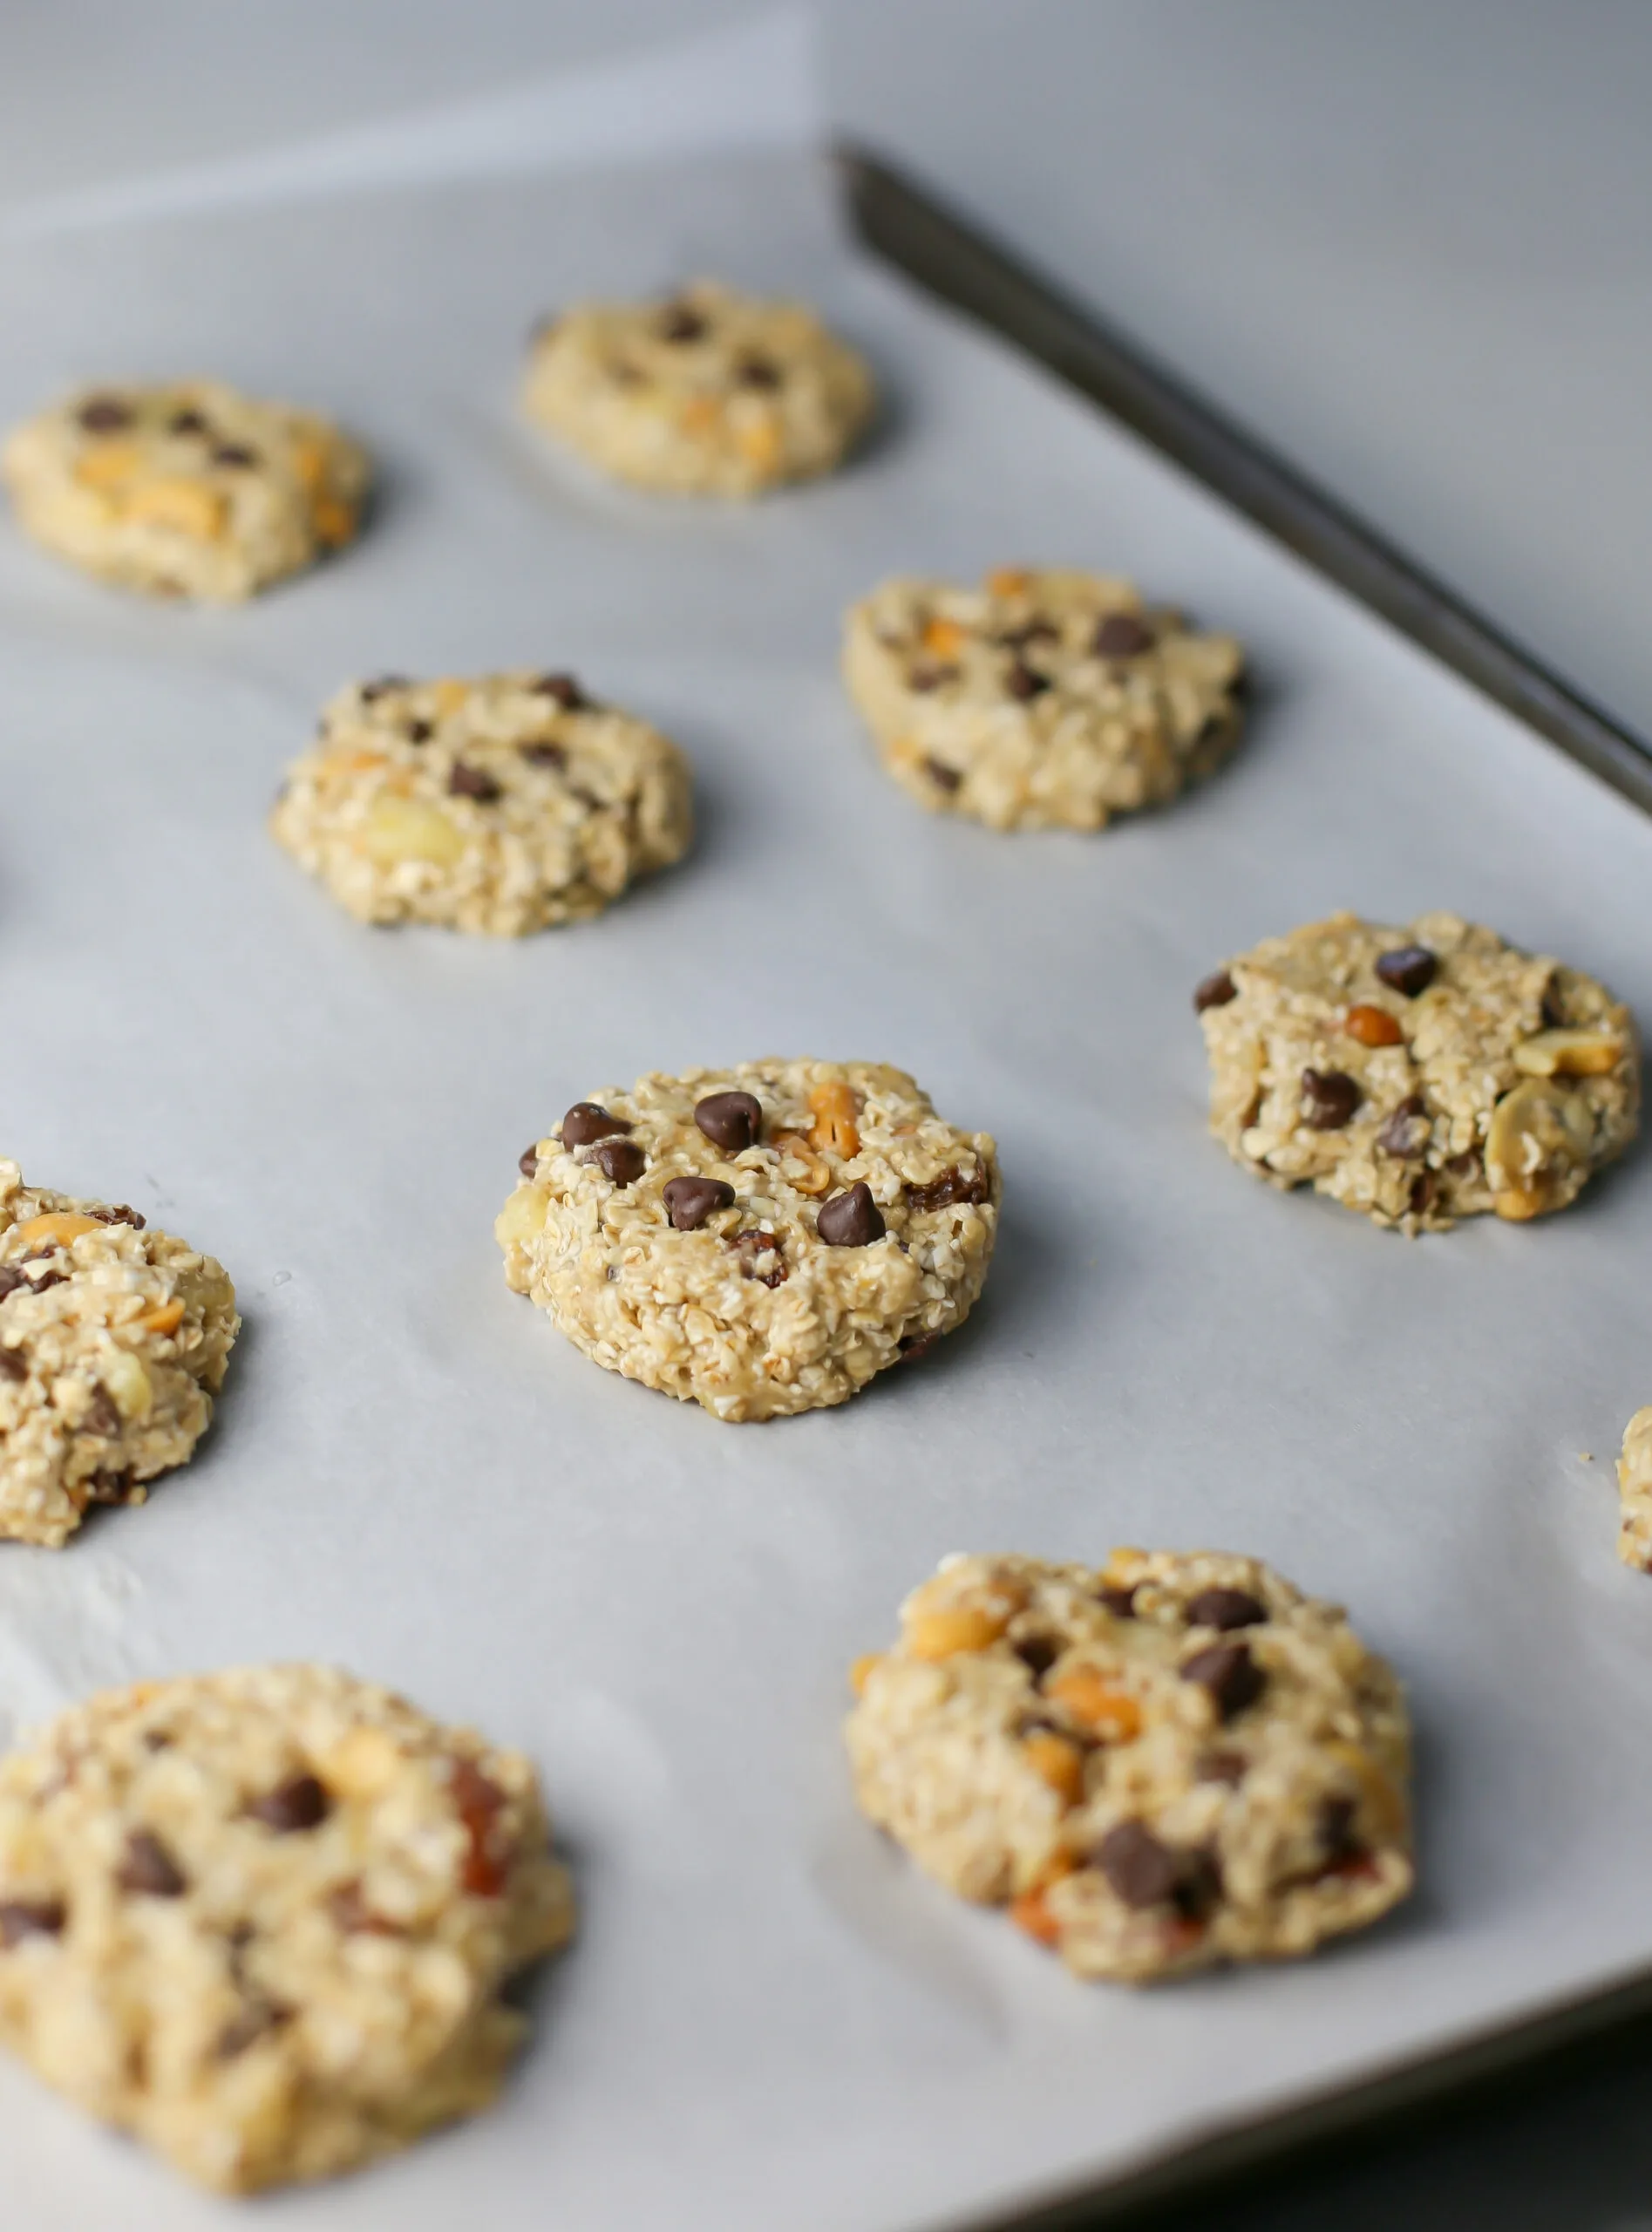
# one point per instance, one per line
(1417, 1074)
(1041, 700)
(1634, 1490)
(708, 394)
(112, 1343)
(188, 489)
(262, 1918)
(758, 1240)
(1170, 1762)
(500, 805)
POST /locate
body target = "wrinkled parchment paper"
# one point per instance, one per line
(769, 2019)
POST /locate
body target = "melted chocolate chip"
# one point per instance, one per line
(187, 422)
(21, 1918)
(1121, 1602)
(1409, 968)
(564, 690)
(473, 783)
(586, 1122)
(752, 1247)
(13, 1366)
(1023, 682)
(1336, 1830)
(730, 1120)
(1121, 635)
(944, 778)
(1214, 992)
(1037, 1653)
(942, 1193)
(1222, 1766)
(1139, 1870)
(1036, 631)
(235, 455)
(1329, 1098)
(298, 1801)
(119, 1214)
(149, 1869)
(1405, 1134)
(419, 731)
(689, 1202)
(528, 1161)
(852, 1219)
(619, 1161)
(757, 371)
(1225, 1608)
(923, 675)
(1231, 1675)
(544, 754)
(12, 1276)
(1423, 1189)
(110, 1487)
(679, 322)
(39, 1281)
(104, 414)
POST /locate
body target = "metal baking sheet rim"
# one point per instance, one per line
(897, 220)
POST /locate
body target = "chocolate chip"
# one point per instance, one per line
(110, 1487)
(944, 778)
(913, 1347)
(1024, 682)
(419, 731)
(13, 1366)
(187, 422)
(102, 1418)
(528, 1161)
(1409, 968)
(104, 414)
(586, 1122)
(1121, 1602)
(755, 370)
(1231, 1675)
(39, 1281)
(751, 1246)
(1553, 1006)
(942, 1193)
(1329, 1098)
(1424, 1188)
(473, 783)
(1139, 1870)
(544, 754)
(1336, 1830)
(381, 686)
(21, 1918)
(851, 1219)
(1038, 1653)
(689, 1202)
(12, 1276)
(1222, 1766)
(1214, 992)
(678, 322)
(1405, 1134)
(1121, 635)
(298, 1801)
(730, 1120)
(236, 455)
(119, 1214)
(149, 1869)
(564, 689)
(1225, 1608)
(1031, 631)
(619, 1161)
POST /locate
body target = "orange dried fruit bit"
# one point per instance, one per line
(699, 414)
(1008, 581)
(761, 442)
(860, 1670)
(56, 1228)
(107, 466)
(185, 506)
(1058, 1761)
(1111, 1714)
(334, 520)
(955, 1628)
(1372, 1026)
(834, 1108)
(480, 1801)
(945, 638)
(1030, 1912)
(165, 1319)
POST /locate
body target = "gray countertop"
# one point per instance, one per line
(1409, 245)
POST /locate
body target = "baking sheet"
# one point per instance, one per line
(769, 2017)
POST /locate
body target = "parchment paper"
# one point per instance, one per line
(769, 2019)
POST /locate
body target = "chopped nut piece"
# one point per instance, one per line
(1569, 1053)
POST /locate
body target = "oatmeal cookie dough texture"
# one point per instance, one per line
(112, 1343)
(1041, 700)
(500, 805)
(1417, 1074)
(1634, 1491)
(185, 490)
(1169, 1762)
(709, 393)
(262, 1918)
(759, 1240)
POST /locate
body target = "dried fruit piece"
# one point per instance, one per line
(1058, 1762)
(950, 1629)
(1107, 1712)
(1372, 1026)
(946, 1192)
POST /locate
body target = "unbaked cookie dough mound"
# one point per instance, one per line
(185, 490)
(1417, 1074)
(708, 394)
(1040, 700)
(759, 1240)
(262, 1919)
(499, 806)
(114, 1340)
(1169, 1762)
(1634, 1491)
